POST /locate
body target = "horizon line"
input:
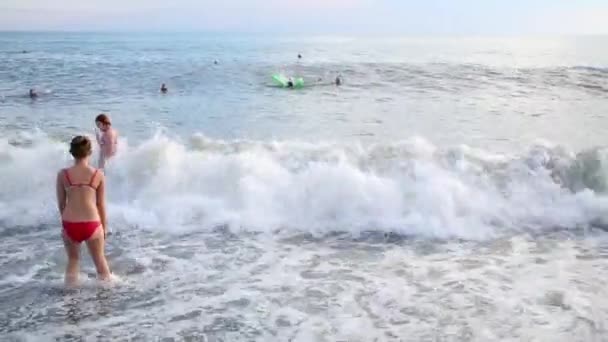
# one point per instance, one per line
(302, 33)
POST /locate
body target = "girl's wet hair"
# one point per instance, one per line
(104, 119)
(81, 147)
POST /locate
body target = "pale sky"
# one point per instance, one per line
(312, 16)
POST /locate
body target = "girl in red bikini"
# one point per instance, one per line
(81, 202)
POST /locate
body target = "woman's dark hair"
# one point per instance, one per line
(104, 119)
(81, 147)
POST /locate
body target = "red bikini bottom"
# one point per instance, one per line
(80, 231)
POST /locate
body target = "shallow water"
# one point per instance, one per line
(451, 190)
(219, 286)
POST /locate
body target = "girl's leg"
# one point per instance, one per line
(72, 249)
(96, 244)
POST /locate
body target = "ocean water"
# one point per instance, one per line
(452, 189)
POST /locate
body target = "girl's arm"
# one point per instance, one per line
(101, 202)
(60, 190)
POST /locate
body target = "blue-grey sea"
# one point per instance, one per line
(450, 189)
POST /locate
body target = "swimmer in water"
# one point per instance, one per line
(299, 56)
(82, 207)
(33, 93)
(290, 83)
(107, 139)
(163, 88)
(338, 80)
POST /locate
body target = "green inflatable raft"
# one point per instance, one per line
(282, 81)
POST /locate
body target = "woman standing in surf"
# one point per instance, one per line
(107, 138)
(82, 206)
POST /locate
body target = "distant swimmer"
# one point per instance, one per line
(299, 56)
(216, 62)
(290, 83)
(33, 93)
(163, 88)
(338, 80)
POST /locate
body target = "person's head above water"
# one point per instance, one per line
(33, 92)
(80, 147)
(299, 56)
(163, 88)
(103, 122)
